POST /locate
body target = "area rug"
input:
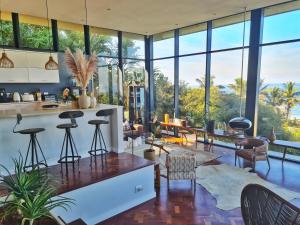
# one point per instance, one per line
(174, 149)
(225, 183)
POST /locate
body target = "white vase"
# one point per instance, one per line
(84, 101)
(93, 102)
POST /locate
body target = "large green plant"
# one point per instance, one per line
(29, 194)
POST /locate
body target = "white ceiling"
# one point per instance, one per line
(137, 16)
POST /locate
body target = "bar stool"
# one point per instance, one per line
(98, 136)
(34, 147)
(65, 155)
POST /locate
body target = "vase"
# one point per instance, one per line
(272, 136)
(84, 101)
(93, 102)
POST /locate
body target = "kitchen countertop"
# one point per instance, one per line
(37, 110)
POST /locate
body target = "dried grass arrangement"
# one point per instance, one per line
(81, 68)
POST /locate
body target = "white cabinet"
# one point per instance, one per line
(29, 68)
(38, 75)
(15, 75)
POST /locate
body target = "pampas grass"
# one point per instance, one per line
(81, 68)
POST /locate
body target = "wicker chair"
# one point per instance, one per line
(252, 149)
(261, 206)
(181, 167)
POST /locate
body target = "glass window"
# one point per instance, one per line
(134, 90)
(133, 46)
(34, 32)
(281, 22)
(7, 38)
(103, 41)
(192, 39)
(279, 92)
(164, 87)
(70, 35)
(108, 82)
(163, 44)
(192, 89)
(226, 85)
(228, 32)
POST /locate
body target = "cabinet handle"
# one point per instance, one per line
(11, 80)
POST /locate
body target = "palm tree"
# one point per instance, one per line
(291, 97)
(274, 96)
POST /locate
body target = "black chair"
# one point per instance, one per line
(69, 153)
(34, 147)
(261, 206)
(98, 139)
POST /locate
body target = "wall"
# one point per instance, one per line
(64, 76)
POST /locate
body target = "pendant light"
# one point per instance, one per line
(5, 62)
(50, 64)
(241, 123)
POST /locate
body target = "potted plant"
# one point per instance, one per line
(30, 197)
(82, 70)
(155, 133)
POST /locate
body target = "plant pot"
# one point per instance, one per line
(93, 102)
(149, 154)
(84, 101)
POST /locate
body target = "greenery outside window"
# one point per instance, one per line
(71, 36)
(8, 38)
(103, 41)
(133, 46)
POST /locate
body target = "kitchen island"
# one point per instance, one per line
(52, 138)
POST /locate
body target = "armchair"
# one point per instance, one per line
(181, 167)
(252, 149)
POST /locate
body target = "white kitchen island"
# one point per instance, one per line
(51, 139)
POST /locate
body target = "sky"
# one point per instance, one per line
(279, 63)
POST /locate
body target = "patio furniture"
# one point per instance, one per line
(261, 206)
(181, 167)
(252, 149)
(286, 145)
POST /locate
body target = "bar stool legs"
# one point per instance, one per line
(68, 145)
(33, 148)
(98, 140)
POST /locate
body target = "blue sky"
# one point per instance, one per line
(279, 63)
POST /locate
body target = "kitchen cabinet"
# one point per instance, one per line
(29, 68)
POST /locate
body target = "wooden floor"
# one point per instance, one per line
(179, 206)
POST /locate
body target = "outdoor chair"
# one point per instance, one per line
(261, 206)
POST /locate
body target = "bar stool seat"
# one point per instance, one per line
(31, 131)
(66, 125)
(95, 122)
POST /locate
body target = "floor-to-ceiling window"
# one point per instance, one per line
(163, 72)
(228, 91)
(192, 40)
(279, 99)
(133, 53)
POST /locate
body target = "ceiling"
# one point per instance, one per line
(137, 16)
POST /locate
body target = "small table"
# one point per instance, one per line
(286, 145)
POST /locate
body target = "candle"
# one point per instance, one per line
(166, 118)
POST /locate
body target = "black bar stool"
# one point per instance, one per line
(34, 147)
(65, 155)
(98, 136)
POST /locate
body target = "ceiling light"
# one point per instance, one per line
(50, 64)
